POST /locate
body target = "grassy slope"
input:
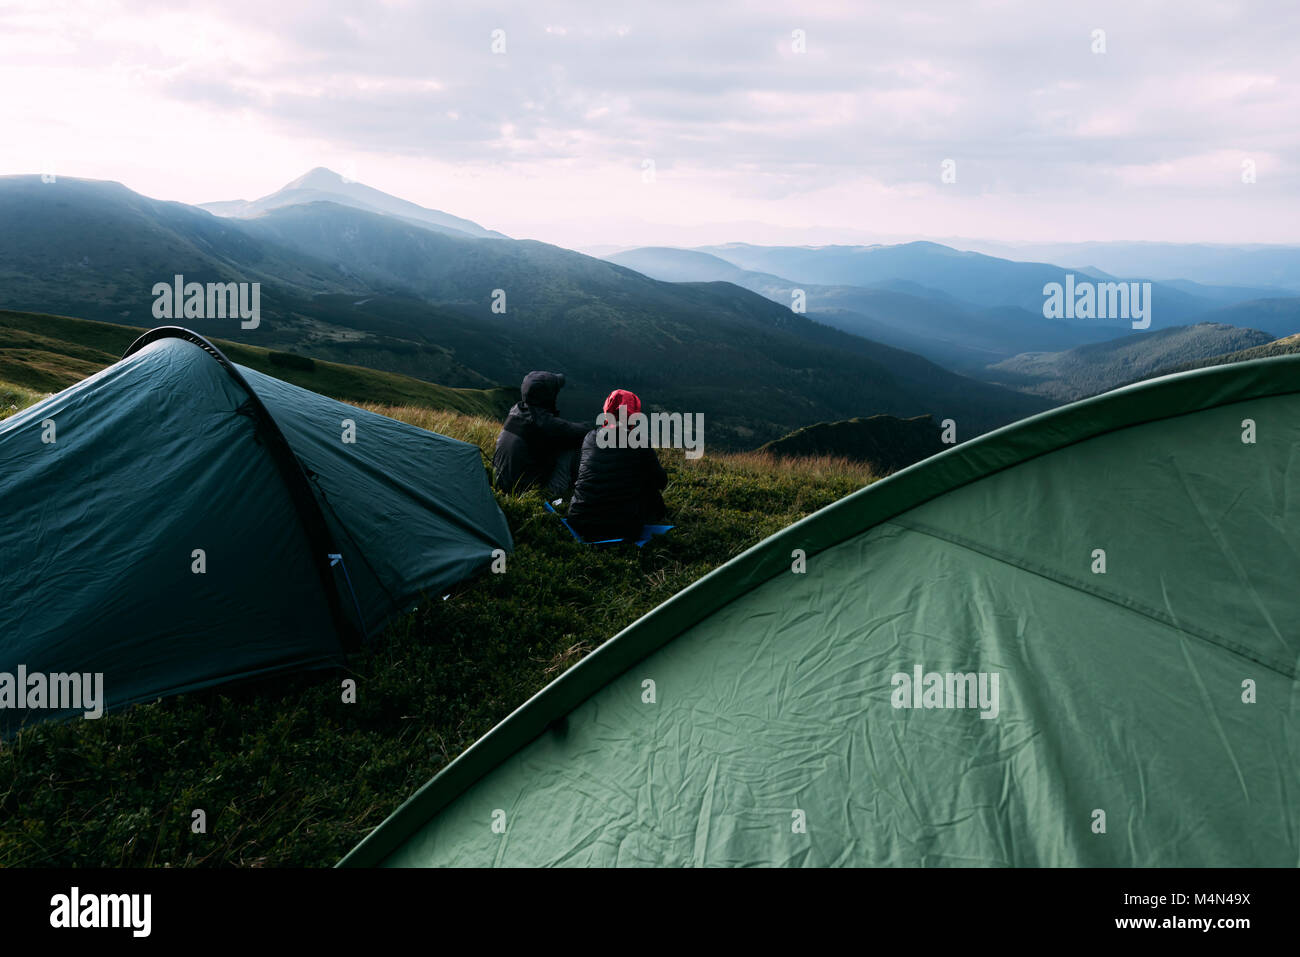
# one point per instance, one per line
(48, 353)
(14, 398)
(883, 442)
(289, 775)
(1096, 367)
(1278, 347)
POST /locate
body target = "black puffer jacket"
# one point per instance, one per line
(534, 434)
(617, 490)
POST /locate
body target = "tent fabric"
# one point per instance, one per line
(173, 450)
(1146, 708)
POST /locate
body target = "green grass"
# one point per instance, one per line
(1099, 366)
(49, 353)
(15, 398)
(288, 775)
(1278, 347)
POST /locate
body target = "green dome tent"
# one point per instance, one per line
(1072, 641)
(176, 521)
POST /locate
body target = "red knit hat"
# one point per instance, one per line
(621, 398)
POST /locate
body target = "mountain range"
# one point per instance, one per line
(963, 310)
(352, 285)
(1250, 265)
(353, 275)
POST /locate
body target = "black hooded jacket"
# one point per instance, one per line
(534, 434)
(617, 490)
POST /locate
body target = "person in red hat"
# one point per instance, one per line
(619, 479)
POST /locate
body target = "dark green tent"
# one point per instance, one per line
(1126, 568)
(176, 521)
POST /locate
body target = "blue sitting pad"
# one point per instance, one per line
(647, 531)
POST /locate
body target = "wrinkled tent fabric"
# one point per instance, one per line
(171, 451)
(1146, 713)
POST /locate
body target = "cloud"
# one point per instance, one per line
(740, 125)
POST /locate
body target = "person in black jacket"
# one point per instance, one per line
(617, 490)
(536, 447)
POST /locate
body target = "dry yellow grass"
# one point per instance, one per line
(483, 433)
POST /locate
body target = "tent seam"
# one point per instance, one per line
(1134, 607)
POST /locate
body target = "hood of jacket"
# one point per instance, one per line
(541, 389)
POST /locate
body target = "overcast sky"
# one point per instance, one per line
(750, 139)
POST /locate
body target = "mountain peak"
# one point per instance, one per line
(318, 178)
(322, 183)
